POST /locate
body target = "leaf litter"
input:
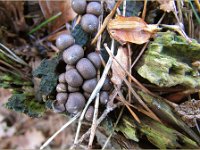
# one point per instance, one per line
(169, 61)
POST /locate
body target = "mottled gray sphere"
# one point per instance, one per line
(75, 103)
(64, 41)
(79, 6)
(86, 68)
(94, 8)
(95, 59)
(89, 85)
(89, 23)
(89, 113)
(73, 54)
(73, 78)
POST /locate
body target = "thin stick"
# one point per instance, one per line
(109, 107)
(132, 78)
(197, 4)
(106, 20)
(140, 54)
(144, 10)
(133, 92)
(94, 122)
(95, 91)
(124, 8)
(118, 118)
(130, 110)
(153, 116)
(60, 130)
(130, 68)
(14, 56)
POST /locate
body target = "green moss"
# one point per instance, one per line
(167, 61)
(26, 104)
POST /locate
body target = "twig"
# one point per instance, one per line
(133, 92)
(144, 10)
(60, 130)
(12, 55)
(132, 78)
(109, 107)
(197, 4)
(96, 107)
(124, 8)
(95, 91)
(124, 101)
(106, 20)
(118, 118)
(140, 54)
(94, 122)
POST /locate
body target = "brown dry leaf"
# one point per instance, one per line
(14, 14)
(130, 29)
(117, 72)
(50, 8)
(32, 139)
(166, 5)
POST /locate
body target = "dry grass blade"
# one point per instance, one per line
(144, 10)
(153, 116)
(94, 122)
(60, 130)
(128, 107)
(106, 20)
(117, 121)
(95, 91)
(132, 78)
(109, 107)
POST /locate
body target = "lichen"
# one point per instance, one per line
(168, 61)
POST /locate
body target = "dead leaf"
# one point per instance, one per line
(117, 72)
(130, 29)
(14, 12)
(32, 139)
(166, 5)
(50, 8)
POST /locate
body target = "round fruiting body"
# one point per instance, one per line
(94, 8)
(95, 59)
(73, 89)
(89, 23)
(75, 103)
(64, 41)
(79, 6)
(86, 68)
(61, 98)
(89, 85)
(61, 87)
(61, 78)
(89, 113)
(58, 107)
(104, 97)
(69, 67)
(87, 95)
(73, 54)
(107, 85)
(73, 78)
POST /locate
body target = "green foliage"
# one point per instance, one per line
(47, 72)
(26, 104)
(168, 61)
